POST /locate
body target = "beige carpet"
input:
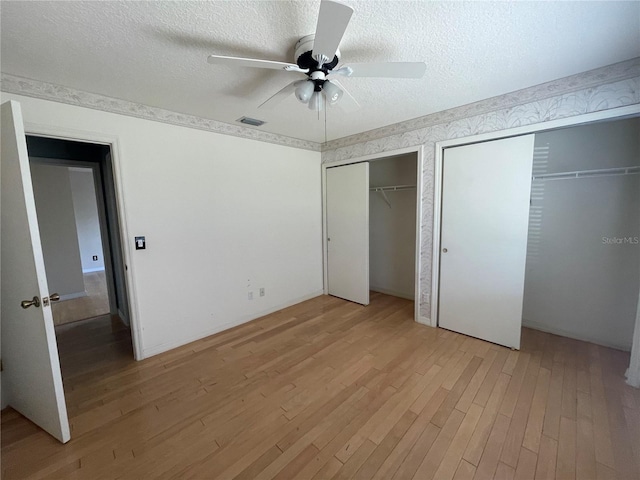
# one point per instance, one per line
(94, 304)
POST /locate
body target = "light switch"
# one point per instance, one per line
(140, 243)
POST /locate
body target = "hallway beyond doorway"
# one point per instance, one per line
(94, 304)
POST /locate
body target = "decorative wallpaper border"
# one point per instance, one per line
(609, 74)
(71, 96)
(523, 110)
(57, 93)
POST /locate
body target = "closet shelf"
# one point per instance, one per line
(588, 173)
(390, 188)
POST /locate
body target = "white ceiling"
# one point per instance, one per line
(155, 53)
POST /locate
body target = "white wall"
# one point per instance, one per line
(222, 216)
(392, 231)
(86, 213)
(578, 284)
(56, 219)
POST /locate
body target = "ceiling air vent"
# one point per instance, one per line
(251, 121)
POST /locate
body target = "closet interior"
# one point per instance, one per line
(583, 250)
(392, 225)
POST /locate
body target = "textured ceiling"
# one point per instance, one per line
(155, 53)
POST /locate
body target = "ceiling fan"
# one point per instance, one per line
(317, 56)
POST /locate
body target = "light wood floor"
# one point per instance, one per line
(329, 389)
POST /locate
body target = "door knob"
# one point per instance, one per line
(54, 297)
(27, 303)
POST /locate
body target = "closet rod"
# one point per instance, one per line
(392, 188)
(588, 173)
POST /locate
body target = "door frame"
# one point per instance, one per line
(419, 151)
(38, 130)
(605, 115)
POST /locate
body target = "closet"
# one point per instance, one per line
(371, 228)
(546, 235)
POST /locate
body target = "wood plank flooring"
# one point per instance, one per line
(330, 390)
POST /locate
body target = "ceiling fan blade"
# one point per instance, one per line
(347, 103)
(250, 62)
(332, 23)
(389, 69)
(279, 96)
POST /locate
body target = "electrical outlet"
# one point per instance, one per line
(250, 295)
(262, 292)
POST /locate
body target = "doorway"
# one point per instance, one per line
(66, 203)
(32, 382)
(372, 225)
(392, 225)
(78, 220)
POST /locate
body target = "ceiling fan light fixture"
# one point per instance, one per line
(305, 90)
(317, 55)
(316, 102)
(332, 92)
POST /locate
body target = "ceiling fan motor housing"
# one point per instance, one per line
(304, 58)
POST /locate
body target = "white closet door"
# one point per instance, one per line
(31, 379)
(485, 214)
(348, 232)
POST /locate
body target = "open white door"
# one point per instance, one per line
(485, 215)
(348, 232)
(31, 380)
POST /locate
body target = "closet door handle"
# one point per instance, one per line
(444, 250)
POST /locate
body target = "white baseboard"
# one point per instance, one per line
(155, 350)
(386, 291)
(91, 270)
(70, 296)
(575, 336)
